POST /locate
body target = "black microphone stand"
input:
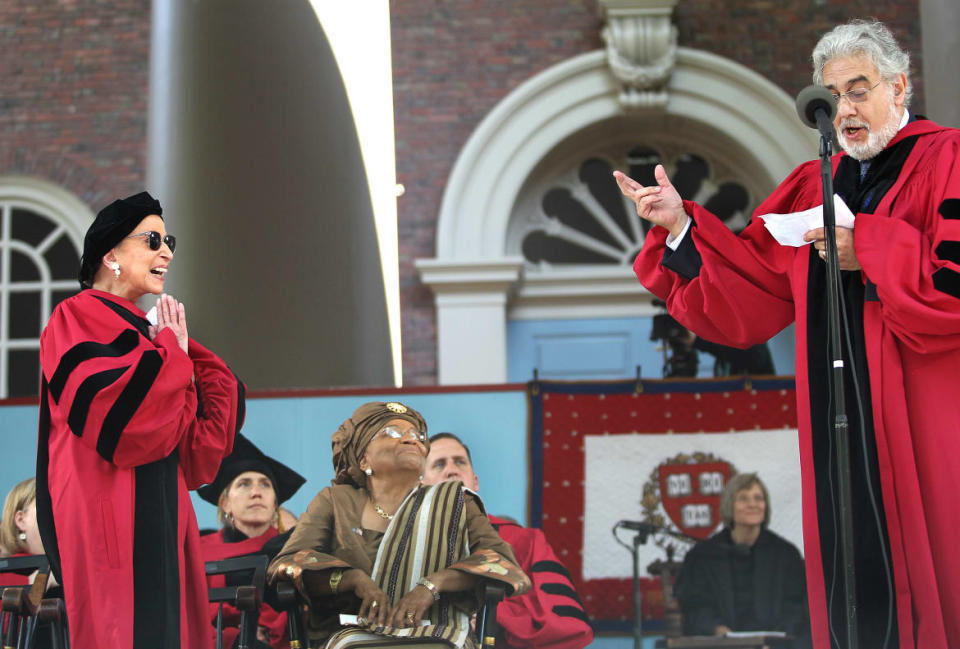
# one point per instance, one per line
(840, 423)
(639, 539)
(643, 531)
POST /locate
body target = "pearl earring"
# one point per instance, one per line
(23, 536)
(115, 267)
(368, 471)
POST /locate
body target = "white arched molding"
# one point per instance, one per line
(50, 200)
(69, 218)
(517, 135)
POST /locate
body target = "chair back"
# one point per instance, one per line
(21, 604)
(245, 597)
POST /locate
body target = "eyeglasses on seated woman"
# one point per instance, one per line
(402, 556)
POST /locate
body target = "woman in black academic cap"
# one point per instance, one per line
(132, 416)
(248, 492)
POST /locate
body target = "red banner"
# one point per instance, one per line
(687, 489)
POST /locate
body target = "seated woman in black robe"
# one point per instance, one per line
(744, 577)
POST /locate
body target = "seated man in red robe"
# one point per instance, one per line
(550, 615)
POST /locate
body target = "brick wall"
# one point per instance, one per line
(73, 99)
(73, 96)
(454, 60)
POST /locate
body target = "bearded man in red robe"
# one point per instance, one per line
(900, 296)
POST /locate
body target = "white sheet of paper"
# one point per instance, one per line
(152, 316)
(347, 619)
(788, 229)
(756, 634)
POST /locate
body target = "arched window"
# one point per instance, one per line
(40, 227)
(582, 217)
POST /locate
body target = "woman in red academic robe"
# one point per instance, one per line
(248, 491)
(132, 416)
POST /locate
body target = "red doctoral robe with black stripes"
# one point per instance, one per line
(216, 547)
(749, 287)
(128, 426)
(550, 615)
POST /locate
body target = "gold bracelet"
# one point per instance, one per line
(335, 577)
(432, 587)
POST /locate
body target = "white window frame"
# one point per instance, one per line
(70, 216)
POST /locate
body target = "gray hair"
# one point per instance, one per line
(737, 484)
(870, 38)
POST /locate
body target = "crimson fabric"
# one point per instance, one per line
(550, 615)
(908, 252)
(215, 547)
(123, 438)
(563, 414)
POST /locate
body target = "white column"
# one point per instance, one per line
(471, 300)
(939, 20)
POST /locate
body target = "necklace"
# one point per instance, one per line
(380, 512)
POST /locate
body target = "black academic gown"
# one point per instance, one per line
(707, 593)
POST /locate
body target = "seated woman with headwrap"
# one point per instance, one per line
(248, 491)
(403, 556)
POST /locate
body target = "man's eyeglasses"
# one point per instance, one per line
(154, 239)
(855, 96)
(395, 433)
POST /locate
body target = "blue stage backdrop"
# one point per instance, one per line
(295, 428)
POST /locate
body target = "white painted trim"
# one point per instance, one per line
(50, 200)
(72, 217)
(472, 298)
(566, 293)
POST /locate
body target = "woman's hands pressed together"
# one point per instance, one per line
(171, 314)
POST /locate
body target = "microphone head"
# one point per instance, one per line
(814, 98)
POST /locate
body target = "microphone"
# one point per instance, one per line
(639, 526)
(816, 108)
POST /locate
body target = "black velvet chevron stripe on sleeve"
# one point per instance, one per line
(948, 251)
(947, 281)
(571, 611)
(127, 403)
(561, 590)
(950, 208)
(125, 343)
(550, 566)
(89, 389)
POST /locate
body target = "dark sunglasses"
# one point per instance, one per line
(154, 239)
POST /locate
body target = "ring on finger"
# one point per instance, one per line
(375, 604)
(409, 617)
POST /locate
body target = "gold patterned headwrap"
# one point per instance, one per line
(351, 439)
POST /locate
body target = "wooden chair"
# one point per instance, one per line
(245, 597)
(24, 607)
(489, 592)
